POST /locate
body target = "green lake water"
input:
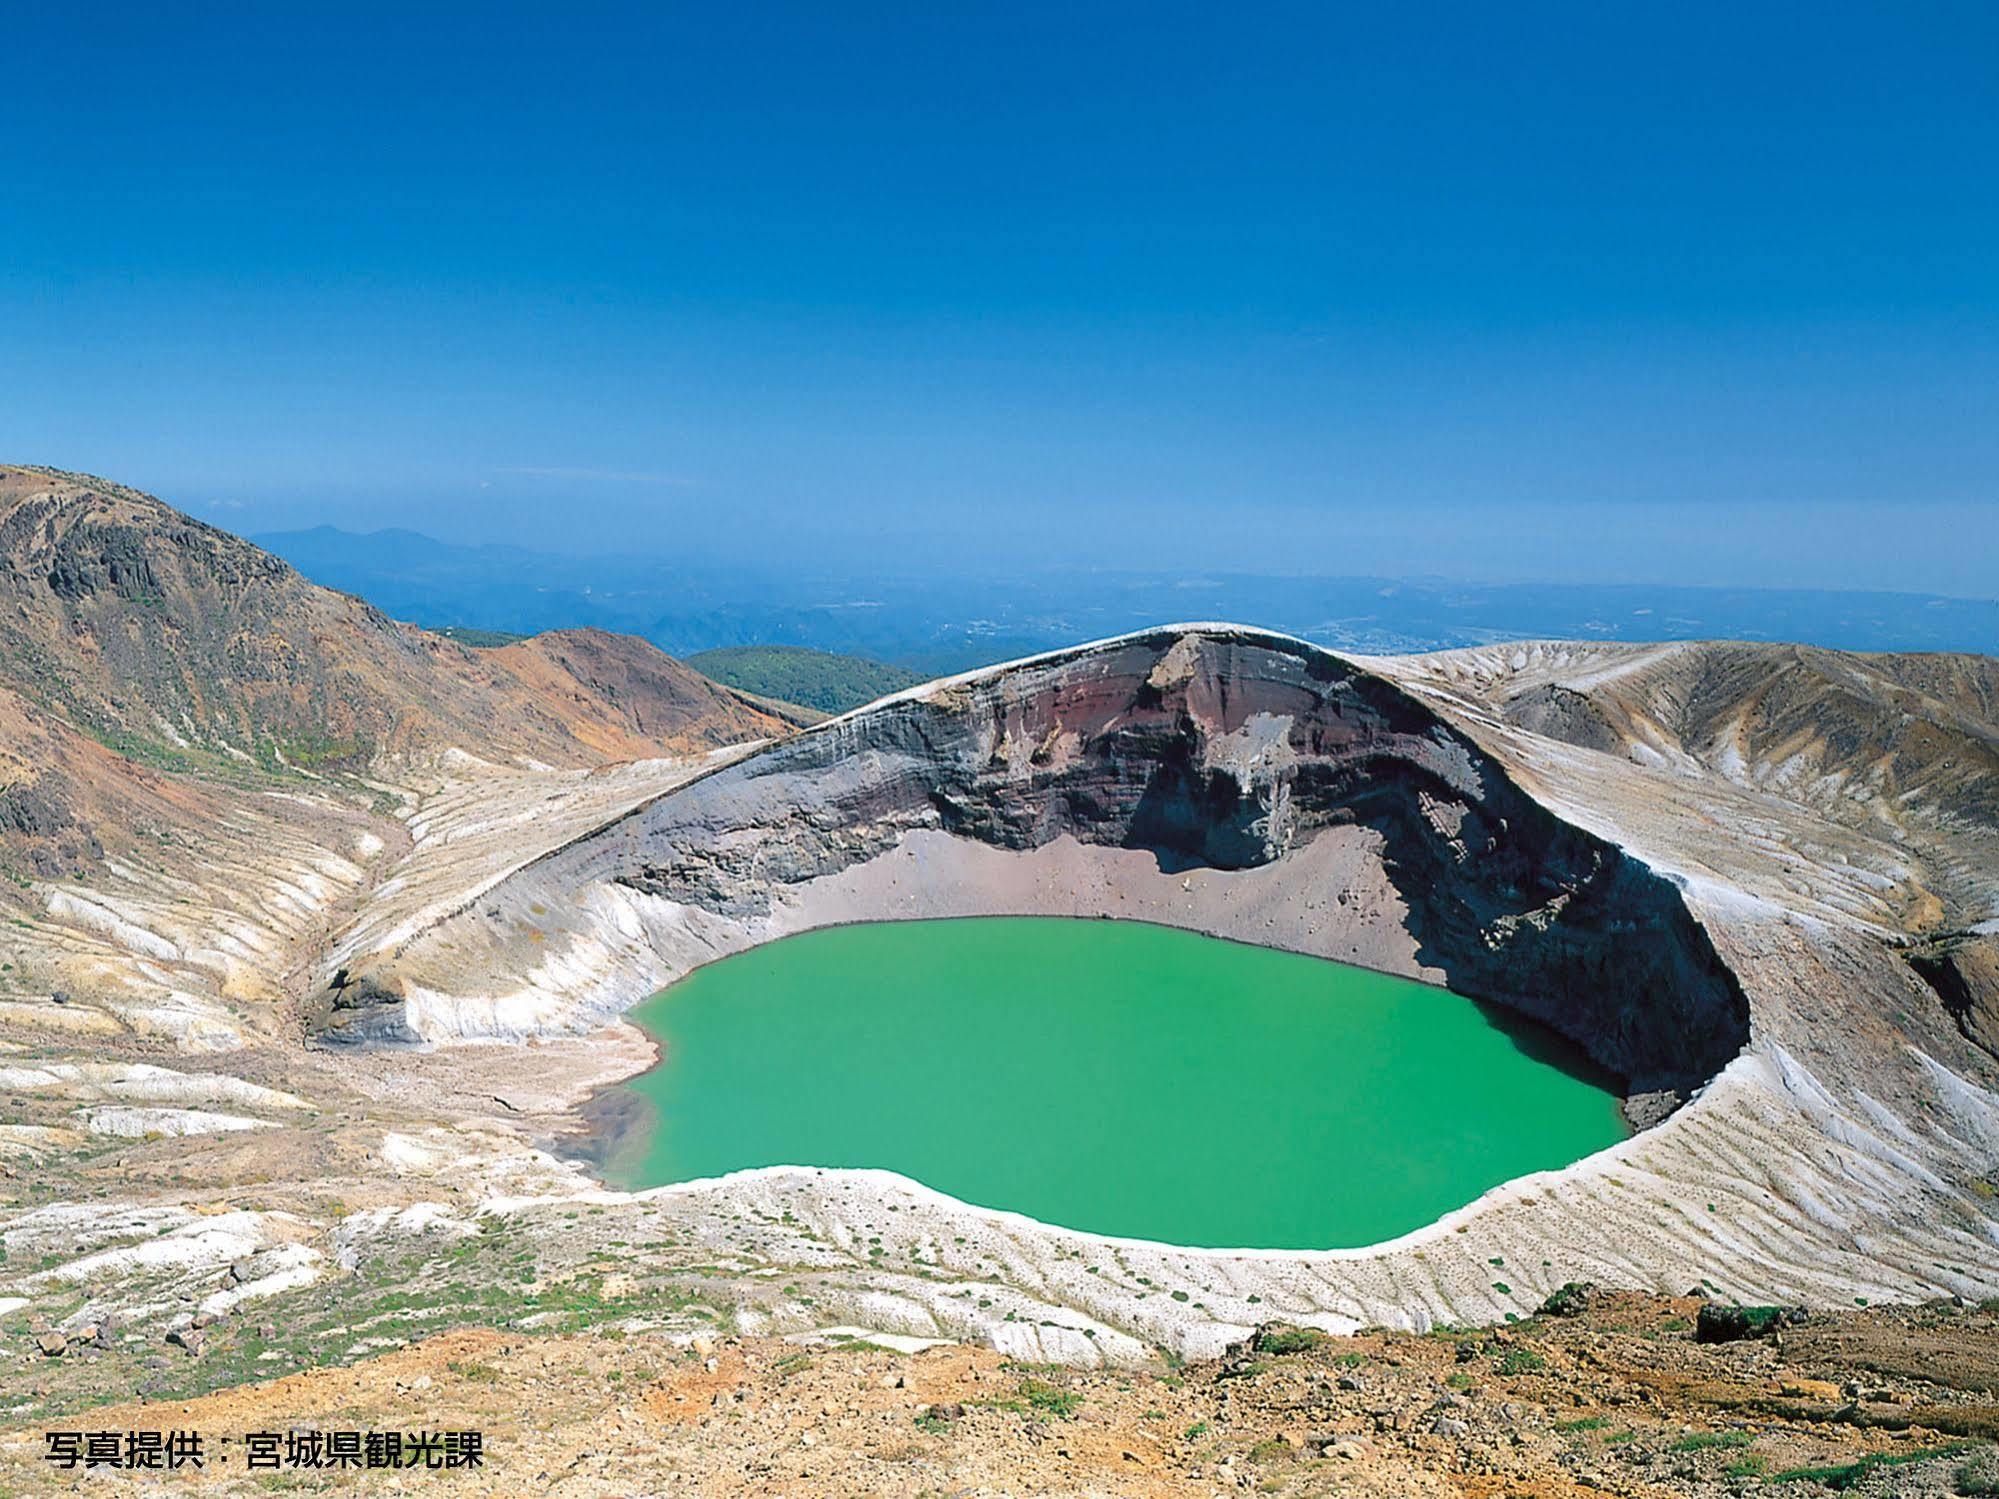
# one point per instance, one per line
(1110, 1076)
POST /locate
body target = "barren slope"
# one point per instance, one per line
(186, 644)
(208, 763)
(1904, 748)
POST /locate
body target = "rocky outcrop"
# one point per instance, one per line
(362, 1011)
(1963, 969)
(1903, 744)
(1220, 750)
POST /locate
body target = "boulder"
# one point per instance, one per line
(1728, 1324)
(1572, 1300)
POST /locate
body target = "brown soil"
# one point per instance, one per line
(1620, 1399)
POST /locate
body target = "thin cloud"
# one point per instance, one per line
(599, 475)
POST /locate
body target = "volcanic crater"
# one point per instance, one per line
(1248, 785)
(1759, 883)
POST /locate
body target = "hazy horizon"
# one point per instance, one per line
(944, 615)
(723, 561)
(1551, 294)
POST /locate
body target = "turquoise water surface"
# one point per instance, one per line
(1110, 1076)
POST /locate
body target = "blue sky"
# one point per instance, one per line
(1641, 293)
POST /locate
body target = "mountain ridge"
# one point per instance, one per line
(180, 648)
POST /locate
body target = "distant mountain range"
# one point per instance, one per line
(942, 616)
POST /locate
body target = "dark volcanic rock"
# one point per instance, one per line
(28, 809)
(361, 1012)
(1559, 712)
(1964, 972)
(1571, 1300)
(1728, 1324)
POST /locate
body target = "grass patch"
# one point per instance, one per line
(1045, 1399)
(1842, 1476)
(1281, 1340)
(1700, 1441)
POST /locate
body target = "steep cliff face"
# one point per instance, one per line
(1214, 750)
(1963, 969)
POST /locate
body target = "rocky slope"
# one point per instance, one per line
(1617, 1396)
(207, 761)
(189, 646)
(1901, 746)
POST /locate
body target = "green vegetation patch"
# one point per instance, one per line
(1700, 1441)
(1046, 1399)
(1282, 1340)
(1518, 1360)
(1845, 1475)
(794, 674)
(484, 640)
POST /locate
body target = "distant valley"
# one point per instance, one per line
(932, 619)
(796, 674)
